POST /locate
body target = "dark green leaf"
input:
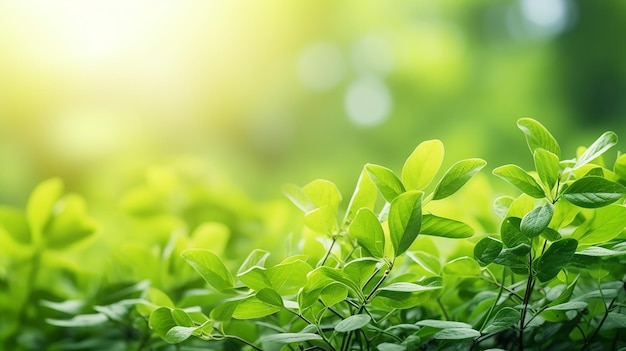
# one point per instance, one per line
(520, 179)
(504, 319)
(456, 176)
(555, 258)
(551, 234)
(603, 143)
(537, 136)
(210, 267)
(351, 323)
(386, 181)
(368, 232)
(456, 334)
(445, 227)
(486, 250)
(405, 220)
(593, 192)
(511, 234)
(537, 220)
(422, 165)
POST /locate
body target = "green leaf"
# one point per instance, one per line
(597, 251)
(323, 193)
(456, 334)
(368, 232)
(333, 294)
(181, 318)
(439, 324)
(255, 278)
(405, 220)
(161, 321)
(40, 205)
(360, 269)
(620, 167)
(511, 233)
(547, 166)
(70, 225)
(81, 320)
(253, 307)
(322, 219)
(387, 346)
(386, 181)
(364, 196)
(256, 258)
(299, 198)
(456, 176)
(224, 311)
(210, 267)
(445, 227)
(337, 276)
(555, 258)
(593, 192)
(520, 179)
(486, 250)
(504, 319)
(354, 322)
(607, 223)
(537, 220)
(288, 277)
(289, 338)
(15, 224)
(462, 266)
(179, 334)
(537, 136)
(603, 143)
(558, 313)
(422, 165)
(270, 297)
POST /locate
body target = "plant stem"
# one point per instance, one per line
(529, 287)
(242, 340)
(608, 309)
(332, 244)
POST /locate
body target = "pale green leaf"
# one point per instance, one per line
(456, 334)
(368, 232)
(537, 136)
(405, 220)
(323, 193)
(252, 307)
(354, 322)
(298, 197)
(270, 297)
(386, 181)
(547, 166)
(210, 267)
(445, 227)
(40, 205)
(289, 338)
(603, 143)
(422, 165)
(520, 179)
(364, 196)
(462, 266)
(456, 176)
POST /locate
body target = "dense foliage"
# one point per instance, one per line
(415, 260)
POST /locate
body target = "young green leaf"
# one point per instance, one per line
(256, 258)
(354, 322)
(537, 220)
(40, 204)
(15, 224)
(555, 258)
(364, 196)
(179, 334)
(210, 267)
(607, 223)
(620, 167)
(255, 278)
(462, 266)
(445, 227)
(405, 220)
(270, 297)
(386, 181)
(486, 250)
(537, 136)
(547, 166)
(456, 176)
(322, 219)
(253, 307)
(360, 269)
(181, 318)
(298, 197)
(161, 321)
(518, 177)
(593, 192)
(439, 324)
(333, 294)
(422, 165)
(368, 232)
(288, 277)
(603, 143)
(557, 313)
(323, 193)
(70, 225)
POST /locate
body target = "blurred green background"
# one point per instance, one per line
(269, 92)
